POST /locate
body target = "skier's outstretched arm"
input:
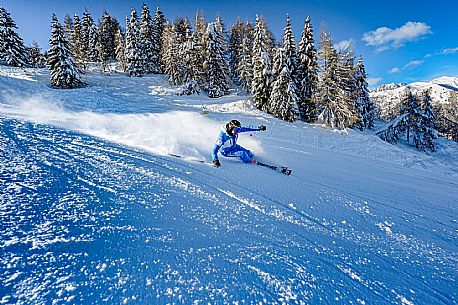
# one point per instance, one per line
(253, 128)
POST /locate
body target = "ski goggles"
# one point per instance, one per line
(236, 129)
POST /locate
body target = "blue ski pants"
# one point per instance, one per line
(239, 152)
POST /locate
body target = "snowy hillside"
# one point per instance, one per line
(388, 96)
(94, 210)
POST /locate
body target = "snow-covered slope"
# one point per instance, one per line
(93, 210)
(388, 96)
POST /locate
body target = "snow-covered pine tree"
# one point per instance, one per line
(146, 36)
(410, 105)
(262, 70)
(200, 26)
(77, 41)
(12, 48)
(158, 29)
(333, 112)
(68, 27)
(347, 84)
(64, 71)
(307, 74)
(289, 47)
(394, 130)
(447, 117)
(108, 28)
(133, 54)
(86, 25)
(426, 133)
(245, 66)
(236, 50)
(216, 68)
(170, 55)
(366, 108)
(268, 36)
(182, 27)
(191, 72)
(93, 44)
(120, 50)
(283, 101)
(36, 59)
(416, 122)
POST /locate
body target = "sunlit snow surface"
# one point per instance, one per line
(94, 211)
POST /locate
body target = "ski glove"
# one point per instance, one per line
(216, 163)
(262, 127)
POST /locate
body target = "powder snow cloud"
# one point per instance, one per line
(385, 38)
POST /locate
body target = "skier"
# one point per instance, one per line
(226, 143)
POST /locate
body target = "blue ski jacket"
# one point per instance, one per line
(227, 143)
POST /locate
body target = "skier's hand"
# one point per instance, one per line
(262, 128)
(216, 163)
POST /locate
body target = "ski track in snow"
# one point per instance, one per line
(88, 221)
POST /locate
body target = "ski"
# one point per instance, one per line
(192, 160)
(280, 169)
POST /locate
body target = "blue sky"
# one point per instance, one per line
(400, 41)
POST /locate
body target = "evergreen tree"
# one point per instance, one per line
(347, 85)
(182, 27)
(77, 41)
(245, 66)
(236, 41)
(307, 74)
(366, 108)
(36, 59)
(283, 99)
(170, 55)
(93, 44)
(191, 73)
(200, 26)
(133, 54)
(216, 68)
(12, 48)
(290, 50)
(108, 29)
(416, 122)
(64, 71)
(262, 71)
(411, 106)
(269, 37)
(68, 27)
(158, 29)
(447, 117)
(426, 133)
(120, 50)
(333, 111)
(86, 28)
(146, 35)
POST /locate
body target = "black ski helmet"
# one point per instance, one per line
(235, 123)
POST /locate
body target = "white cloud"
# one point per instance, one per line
(374, 81)
(385, 38)
(344, 44)
(409, 65)
(413, 64)
(446, 51)
(450, 51)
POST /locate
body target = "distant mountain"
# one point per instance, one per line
(387, 97)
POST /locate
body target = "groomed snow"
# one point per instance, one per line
(93, 210)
